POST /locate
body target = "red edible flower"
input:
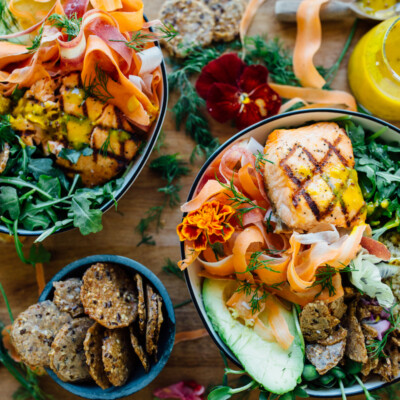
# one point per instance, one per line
(184, 390)
(236, 91)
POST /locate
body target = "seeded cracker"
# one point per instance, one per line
(141, 303)
(144, 359)
(192, 19)
(67, 296)
(227, 14)
(117, 355)
(152, 320)
(67, 356)
(108, 296)
(33, 332)
(93, 352)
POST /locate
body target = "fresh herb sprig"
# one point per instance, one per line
(255, 263)
(261, 160)
(8, 23)
(324, 278)
(96, 86)
(239, 201)
(188, 109)
(140, 39)
(37, 40)
(171, 268)
(170, 167)
(70, 26)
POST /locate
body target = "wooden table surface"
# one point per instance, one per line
(199, 360)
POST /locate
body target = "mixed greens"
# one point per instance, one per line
(36, 195)
(378, 168)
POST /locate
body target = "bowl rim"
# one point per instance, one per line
(199, 176)
(131, 264)
(140, 161)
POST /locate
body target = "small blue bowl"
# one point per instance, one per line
(139, 378)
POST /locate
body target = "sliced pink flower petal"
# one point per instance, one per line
(223, 102)
(252, 77)
(184, 390)
(225, 69)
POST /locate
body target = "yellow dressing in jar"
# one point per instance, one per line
(378, 8)
(374, 70)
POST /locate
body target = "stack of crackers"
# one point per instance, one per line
(199, 22)
(93, 327)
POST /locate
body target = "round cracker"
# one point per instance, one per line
(194, 22)
(92, 344)
(34, 330)
(108, 296)
(227, 14)
(117, 356)
(67, 356)
(67, 296)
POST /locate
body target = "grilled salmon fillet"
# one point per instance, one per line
(311, 177)
(56, 114)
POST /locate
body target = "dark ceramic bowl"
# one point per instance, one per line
(135, 167)
(139, 379)
(260, 132)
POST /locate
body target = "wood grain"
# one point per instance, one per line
(199, 360)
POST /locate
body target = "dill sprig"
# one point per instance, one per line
(140, 39)
(7, 19)
(324, 278)
(261, 160)
(106, 145)
(239, 201)
(256, 264)
(7, 134)
(36, 41)
(188, 109)
(376, 348)
(96, 86)
(69, 26)
(170, 168)
(171, 268)
(256, 292)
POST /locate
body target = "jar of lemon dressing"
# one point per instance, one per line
(374, 70)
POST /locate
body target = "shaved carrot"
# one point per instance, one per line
(249, 184)
(264, 332)
(313, 95)
(205, 274)
(222, 267)
(211, 188)
(191, 256)
(243, 241)
(8, 344)
(278, 323)
(40, 279)
(376, 248)
(248, 16)
(106, 5)
(190, 335)
(130, 18)
(308, 42)
(240, 301)
(278, 273)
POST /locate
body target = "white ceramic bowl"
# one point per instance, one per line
(260, 132)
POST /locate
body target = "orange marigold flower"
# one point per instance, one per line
(207, 225)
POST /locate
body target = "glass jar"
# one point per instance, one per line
(374, 70)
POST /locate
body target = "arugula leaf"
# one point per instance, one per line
(41, 166)
(9, 201)
(73, 155)
(86, 219)
(50, 185)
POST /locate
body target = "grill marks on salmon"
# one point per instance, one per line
(312, 179)
(55, 114)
